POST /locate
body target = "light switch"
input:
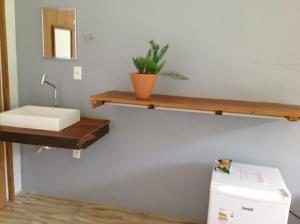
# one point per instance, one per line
(77, 72)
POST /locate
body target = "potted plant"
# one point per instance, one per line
(149, 67)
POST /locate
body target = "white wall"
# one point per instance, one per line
(13, 82)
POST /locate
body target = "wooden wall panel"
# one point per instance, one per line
(2, 152)
(6, 99)
(10, 170)
(2, 176)
(64, 18)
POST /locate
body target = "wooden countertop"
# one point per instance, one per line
(78, 136)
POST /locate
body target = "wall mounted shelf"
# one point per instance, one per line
(78, 136)
(200, 105)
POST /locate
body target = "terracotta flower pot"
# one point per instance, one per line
(143, 84)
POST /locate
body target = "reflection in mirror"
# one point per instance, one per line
(59, 33)
(62, 43)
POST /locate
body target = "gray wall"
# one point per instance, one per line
(160, 161)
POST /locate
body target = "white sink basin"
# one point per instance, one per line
(43, 118)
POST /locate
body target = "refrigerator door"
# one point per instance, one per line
(229, 210)
(249, 194)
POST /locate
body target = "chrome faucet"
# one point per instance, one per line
(44, 81)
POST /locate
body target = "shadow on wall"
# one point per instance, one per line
(169, 187)
(295, 205)
(186, 126)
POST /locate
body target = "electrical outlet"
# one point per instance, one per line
(76, 154)
(77, 72)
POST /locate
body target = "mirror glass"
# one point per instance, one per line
(59, 33)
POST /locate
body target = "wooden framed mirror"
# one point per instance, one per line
(59, 33)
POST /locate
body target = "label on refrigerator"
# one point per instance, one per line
(225, 217)
(251, 177)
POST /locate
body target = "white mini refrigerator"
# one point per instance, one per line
(248, 195)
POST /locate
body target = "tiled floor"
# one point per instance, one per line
(35, 209)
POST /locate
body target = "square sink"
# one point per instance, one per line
(42, 118)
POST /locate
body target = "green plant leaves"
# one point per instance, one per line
(138, 64)
(145, 65)
(163, 52)
(160, 66)
(154, 62)
(173, 75)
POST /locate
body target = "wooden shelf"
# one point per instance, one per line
(202, 105)
(78, 136)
